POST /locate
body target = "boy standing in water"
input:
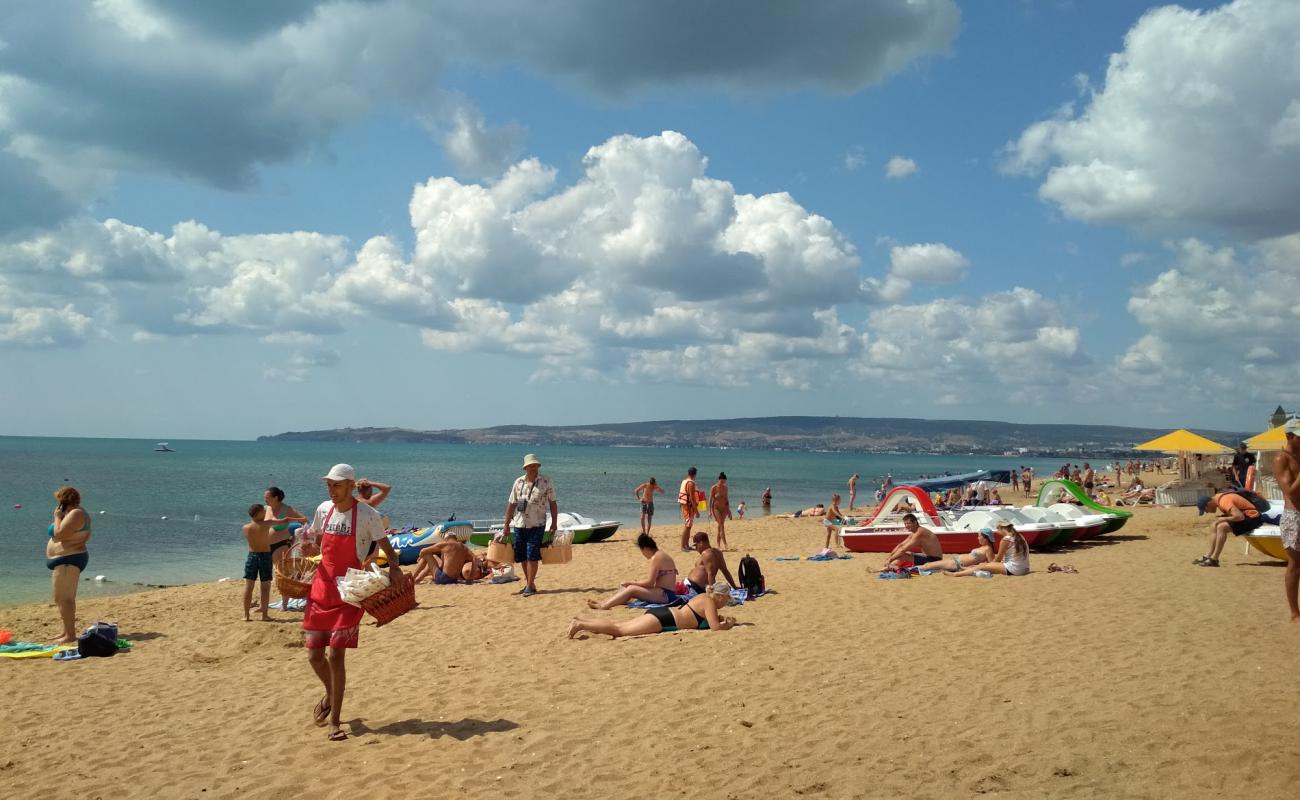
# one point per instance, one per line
(257, 566)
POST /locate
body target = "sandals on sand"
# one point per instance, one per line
(1206, 561)
(321, 714)
(339, 735)
(1062, 568)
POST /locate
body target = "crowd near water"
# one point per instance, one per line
(165, 518)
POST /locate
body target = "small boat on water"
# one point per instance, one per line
(163, 448)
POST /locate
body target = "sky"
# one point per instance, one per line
(223, 220)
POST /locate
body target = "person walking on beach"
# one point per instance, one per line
(66, 557)
(686, 501)
(345, 527)
(646, 494)
(720, 507)
(1286, 469)
(530, 497)
(853, 491)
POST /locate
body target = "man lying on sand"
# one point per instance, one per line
(920, 538)
(701, 613)
(450, 561)
(816, 511)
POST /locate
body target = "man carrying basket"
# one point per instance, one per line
(345, 528)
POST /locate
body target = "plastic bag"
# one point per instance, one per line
(562, 539)
(358, 584)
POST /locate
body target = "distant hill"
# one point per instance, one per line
(841, 434)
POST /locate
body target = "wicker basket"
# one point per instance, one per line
(557, 554)
(294, 575)
(501, 552)
(391, 603)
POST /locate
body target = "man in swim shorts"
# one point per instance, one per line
(920, 538)
(646, 494)
(1286, 469)
(712, 561)
(449, 561)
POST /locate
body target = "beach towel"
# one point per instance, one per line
(295, 604)
(786, 558)
(680, 601)
(829, 557)
(32, 649)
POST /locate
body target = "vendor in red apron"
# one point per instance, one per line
(345, 528)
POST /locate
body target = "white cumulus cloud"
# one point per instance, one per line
(900, 167)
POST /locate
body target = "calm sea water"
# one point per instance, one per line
(170, 518)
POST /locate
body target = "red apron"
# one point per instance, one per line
(326, 611)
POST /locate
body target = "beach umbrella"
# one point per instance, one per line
(1273, 439)
(1184, 442)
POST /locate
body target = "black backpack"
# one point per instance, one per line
(1261, 505)
(99, 639)
(751, 577)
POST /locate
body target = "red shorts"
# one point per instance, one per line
(343, 637)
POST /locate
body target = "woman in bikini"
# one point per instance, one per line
(658, 587)
(1011, 558)
(980, 555)
(281, 534)
(66, 557)
(701, 613)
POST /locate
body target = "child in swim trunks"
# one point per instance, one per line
(258, 564)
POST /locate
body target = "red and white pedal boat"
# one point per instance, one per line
(957, 534)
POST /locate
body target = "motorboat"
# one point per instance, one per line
(584, 529)
(163, 448)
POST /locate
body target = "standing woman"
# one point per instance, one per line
(720, 508)
(282, 534)
(66, 556)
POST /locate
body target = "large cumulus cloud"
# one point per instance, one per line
(1197, 123)
(209, 92)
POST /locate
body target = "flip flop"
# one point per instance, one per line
(66, 655)
(339, 735)
(321, 714)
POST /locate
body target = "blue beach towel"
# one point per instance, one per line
(680, 601)
(820, 557)
(786, 558)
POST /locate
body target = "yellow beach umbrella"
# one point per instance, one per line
(1273, 439)
(1184, 441)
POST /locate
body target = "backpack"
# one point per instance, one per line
(751, 577)
(99, 639)
(1261, 505)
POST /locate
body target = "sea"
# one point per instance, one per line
(169, 518)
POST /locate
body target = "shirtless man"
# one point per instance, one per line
(720, 508)
(706, 570)
(853, 491)
(646, 494)
(1089, 478)
(1286, 468)
(449, 561)
(686, 501)
(919, 538)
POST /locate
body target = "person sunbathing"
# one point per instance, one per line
(980, 555)
(450, 561)
(918, 538)
(1011, 558)
(700, 613)
(816, 511)
(658, 586)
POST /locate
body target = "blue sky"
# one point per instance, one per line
(234, 219)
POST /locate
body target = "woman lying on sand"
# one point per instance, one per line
(1012, 557)
(980, 555)
(700, 613)
(658, 587)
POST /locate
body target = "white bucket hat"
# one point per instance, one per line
(532, 459)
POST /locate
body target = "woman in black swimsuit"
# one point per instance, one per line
(701, 613)
(66, 556)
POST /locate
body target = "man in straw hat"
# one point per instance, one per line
(530, 497)
(346, 528)
(1286, 469)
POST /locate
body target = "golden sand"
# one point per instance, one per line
(1140, 676)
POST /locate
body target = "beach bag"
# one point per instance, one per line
(751, 577)
(1261, 505)
(99, 640)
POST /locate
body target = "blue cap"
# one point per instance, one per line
(1202, 503)
(987, 533)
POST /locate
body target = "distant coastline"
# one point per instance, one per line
(830, 434)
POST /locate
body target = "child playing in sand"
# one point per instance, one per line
(258, 563)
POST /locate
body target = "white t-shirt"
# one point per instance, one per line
(370, 526)
(531, 502)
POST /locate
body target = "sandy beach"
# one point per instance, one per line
(1140, 676)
